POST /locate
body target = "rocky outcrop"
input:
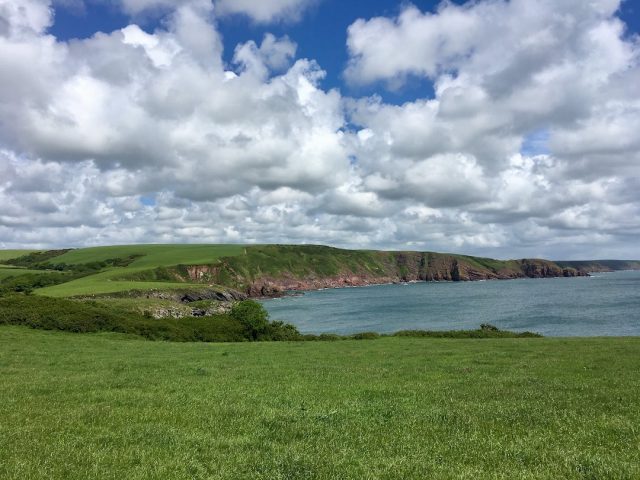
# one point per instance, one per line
(202, 273)
(181, 295)
(276, 287)
(220, 295)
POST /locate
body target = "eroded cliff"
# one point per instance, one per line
(271, 270)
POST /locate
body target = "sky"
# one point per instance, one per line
(498, 128)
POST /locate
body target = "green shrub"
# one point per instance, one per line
(365, 336)
(488, 327)
(479, 333)
(28, 282)
(329, 337)
(83, 317)
(253, 316)
(280, 331)
(323, 337)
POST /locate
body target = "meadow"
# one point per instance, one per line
(7, 271)
(113, 406)
(9, 254)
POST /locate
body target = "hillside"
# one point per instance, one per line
(601, 265)
(273, 269)
(256, 270)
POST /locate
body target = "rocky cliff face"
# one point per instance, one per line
(273, 270)
(601, 265)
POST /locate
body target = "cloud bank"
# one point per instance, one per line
(527, 147)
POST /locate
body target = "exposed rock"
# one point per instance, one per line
(220, 295)
(271, 271)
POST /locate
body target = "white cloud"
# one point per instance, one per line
(265, 11)
(264, 154)
(24, 18)
(272, 55)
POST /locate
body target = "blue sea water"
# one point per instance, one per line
(603, 304)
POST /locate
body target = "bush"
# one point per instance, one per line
(27, 282)
(489, 328)
(479, 333)
(84, 317)
(253, 316)
(280, 332)
(365, 336)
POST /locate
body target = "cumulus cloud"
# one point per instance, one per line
(138, 136)
(503, 72)
(265, 11)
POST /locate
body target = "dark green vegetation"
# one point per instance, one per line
(108, 406)
(246, 321)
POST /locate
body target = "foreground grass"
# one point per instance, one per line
(109, 406)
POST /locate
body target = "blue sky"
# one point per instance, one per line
(150, 133)
(320, 34)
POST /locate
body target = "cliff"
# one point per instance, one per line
(601, 265)
(271, 270)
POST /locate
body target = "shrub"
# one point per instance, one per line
(365, 336)
(280, 331)
(84, 317)
(253, 316)
(488, 327)
(479, 333)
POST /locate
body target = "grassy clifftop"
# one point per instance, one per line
(601, 265)
(267, 270)
(258, 269)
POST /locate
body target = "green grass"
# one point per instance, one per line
(10, 254)
(106, 406)
(105, 282)
(242, 267)
(153, 255)
(8, 271)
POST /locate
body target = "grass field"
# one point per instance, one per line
(109, 406)
(9, 254)
(104, 282)
(153, 255)
(7, 271)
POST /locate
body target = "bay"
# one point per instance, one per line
(605, 304)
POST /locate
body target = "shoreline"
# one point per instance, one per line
(301, 292)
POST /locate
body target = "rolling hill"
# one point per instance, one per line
(252, 270)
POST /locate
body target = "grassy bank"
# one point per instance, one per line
(112, 406)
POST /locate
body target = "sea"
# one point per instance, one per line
(604, 304)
